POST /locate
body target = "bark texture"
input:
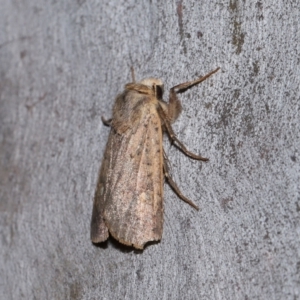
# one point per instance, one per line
(62, 63)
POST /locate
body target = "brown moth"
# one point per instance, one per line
(128, 201)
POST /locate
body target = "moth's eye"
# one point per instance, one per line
(159, 92)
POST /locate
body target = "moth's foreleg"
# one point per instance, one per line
(106, 122)
(174, 185)
(186, 85)
(174, 105)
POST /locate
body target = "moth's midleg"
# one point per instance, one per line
(174, 138)
(175, 187)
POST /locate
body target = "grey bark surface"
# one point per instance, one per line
(62, 63)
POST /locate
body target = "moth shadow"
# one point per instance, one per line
(102, 245)
(121, 247)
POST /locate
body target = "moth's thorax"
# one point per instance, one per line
(150, 82)
(156, 85)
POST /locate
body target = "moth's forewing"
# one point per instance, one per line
(99, 231)
(132, 188)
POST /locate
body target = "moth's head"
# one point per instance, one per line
(155, 84)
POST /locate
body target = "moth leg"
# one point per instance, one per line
(181, 146)
(106, 122)
(174, 185)
(174, 138)
(187, 85)
(174, 106)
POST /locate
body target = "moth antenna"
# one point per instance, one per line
(132, 74)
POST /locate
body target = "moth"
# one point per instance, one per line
(128, 201)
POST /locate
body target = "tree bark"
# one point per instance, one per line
(62, 63)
